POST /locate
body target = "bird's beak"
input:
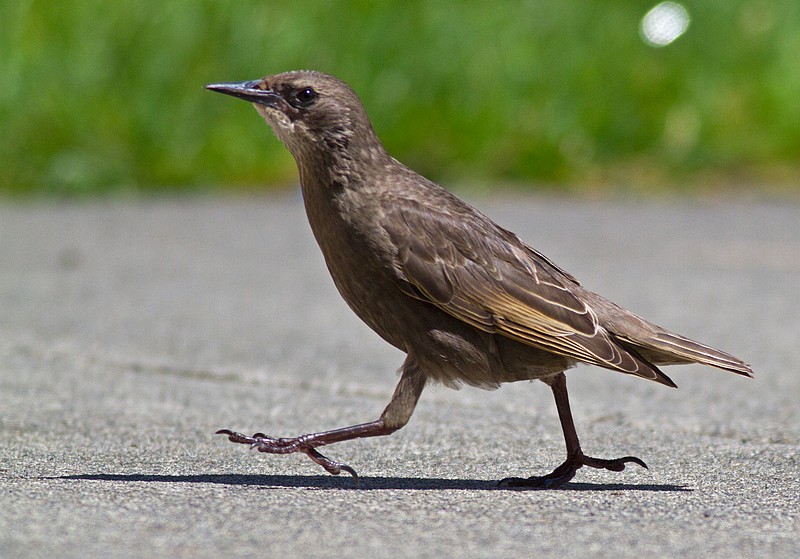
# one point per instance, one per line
(249, 91)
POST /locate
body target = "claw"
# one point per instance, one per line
(635, 461)
(265, 443)
(331, 466)
(615, 465)
(566, 471)
(235, 437)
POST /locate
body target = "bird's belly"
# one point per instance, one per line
(449, 350)
(372, 296)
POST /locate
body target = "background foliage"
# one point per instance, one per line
(100, 97)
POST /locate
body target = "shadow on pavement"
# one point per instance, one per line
(365, 483)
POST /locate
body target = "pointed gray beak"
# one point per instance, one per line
(249, 91)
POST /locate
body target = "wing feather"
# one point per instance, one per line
(484, 275)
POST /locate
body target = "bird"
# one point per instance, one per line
(467, 301)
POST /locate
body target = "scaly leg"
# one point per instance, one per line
(395, 416)
(575, 457)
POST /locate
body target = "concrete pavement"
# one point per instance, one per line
(131, 331)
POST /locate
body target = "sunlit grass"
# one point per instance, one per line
(101, 97)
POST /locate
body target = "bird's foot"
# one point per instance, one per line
(271, 445)
(566, 471)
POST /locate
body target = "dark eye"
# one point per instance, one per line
(305, 97)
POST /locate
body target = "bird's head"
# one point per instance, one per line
(315, 115)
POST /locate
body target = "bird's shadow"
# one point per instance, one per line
(364, 483)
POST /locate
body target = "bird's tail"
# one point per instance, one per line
(666, 348)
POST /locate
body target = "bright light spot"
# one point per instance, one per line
(664, 23)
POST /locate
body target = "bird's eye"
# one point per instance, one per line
(305, 96)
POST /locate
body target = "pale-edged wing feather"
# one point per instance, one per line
(484, 275)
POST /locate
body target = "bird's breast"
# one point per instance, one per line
(358, 262)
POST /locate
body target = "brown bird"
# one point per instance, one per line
(466, 300)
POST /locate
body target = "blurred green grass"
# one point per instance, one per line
(99, 97)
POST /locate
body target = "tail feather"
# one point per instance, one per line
(655, 345)
(665, 348)
(701, 353)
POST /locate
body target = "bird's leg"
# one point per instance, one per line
(575, 456)
(395, 416)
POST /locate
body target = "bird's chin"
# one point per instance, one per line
(275, 117)
(267, 113)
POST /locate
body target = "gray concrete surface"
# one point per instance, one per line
(131, 331)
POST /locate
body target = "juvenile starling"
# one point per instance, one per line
(466, 300)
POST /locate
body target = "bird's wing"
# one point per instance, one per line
(482, 274)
